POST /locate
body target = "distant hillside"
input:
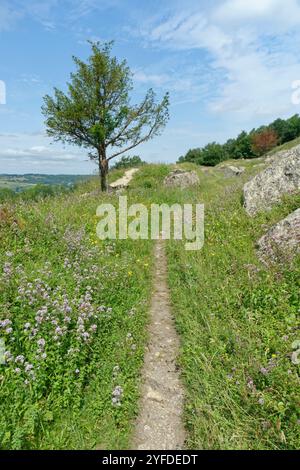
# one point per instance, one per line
(20, 182)
(258, 142)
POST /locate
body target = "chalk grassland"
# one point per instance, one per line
(73, 316)
(238, 321)
(88, 300)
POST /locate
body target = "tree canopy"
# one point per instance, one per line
(246, 145)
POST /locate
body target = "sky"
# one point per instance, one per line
(229, 65)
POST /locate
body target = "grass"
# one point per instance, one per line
(236, 319)
(286, 146)
(237, 322)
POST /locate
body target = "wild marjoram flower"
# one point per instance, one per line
(41, 343)
(59, 318)
(117, 395)
(5, 323)
(20, 359)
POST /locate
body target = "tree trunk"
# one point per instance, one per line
(103, 171)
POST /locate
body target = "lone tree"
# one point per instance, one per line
(96, 112)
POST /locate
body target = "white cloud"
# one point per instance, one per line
(186, 83)
(280, 14)
(50, 13)
(156, 79)
(175, 82)
(239, 9)
(252, 45)
(189, 30)
(8, 16)
(19, 152)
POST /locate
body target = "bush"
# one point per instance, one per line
(128, 162)
(213, 154)
(264, 141)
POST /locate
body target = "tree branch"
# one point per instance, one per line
(143, 139)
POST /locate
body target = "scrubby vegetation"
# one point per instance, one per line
(256, 143)
(129, 162)
(33, 193)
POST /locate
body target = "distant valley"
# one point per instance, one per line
(19, 183)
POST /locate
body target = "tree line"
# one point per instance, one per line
(254, 144)
(128, 162)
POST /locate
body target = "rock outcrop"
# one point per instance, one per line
(282, 241)
(267, 188)
(181, 179)
(229, 170)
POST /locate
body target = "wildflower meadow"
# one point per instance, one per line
(72, 317)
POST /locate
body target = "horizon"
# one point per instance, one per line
(229, 66)
(48, 174)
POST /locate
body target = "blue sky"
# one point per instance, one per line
(228, 65)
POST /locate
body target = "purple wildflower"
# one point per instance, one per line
(5, 323)
(20, 359)
(41, 343)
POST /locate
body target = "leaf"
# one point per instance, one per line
(6, 437)
(48, 416)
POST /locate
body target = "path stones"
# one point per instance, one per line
(123, 182)
(230, 171)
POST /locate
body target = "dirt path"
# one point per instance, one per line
(118, 184)
(159, 425)
(125, 180)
